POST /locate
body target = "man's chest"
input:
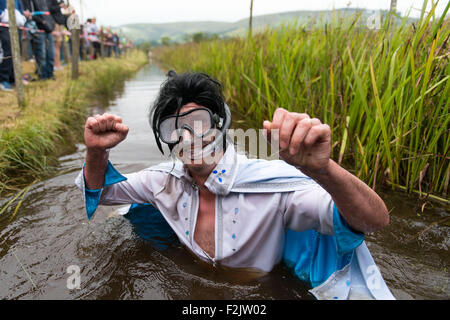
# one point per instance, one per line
(224, 226)
(205, 225)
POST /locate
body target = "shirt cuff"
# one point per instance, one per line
(92, 197)
(347, 239)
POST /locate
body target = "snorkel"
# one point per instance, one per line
(222, 125)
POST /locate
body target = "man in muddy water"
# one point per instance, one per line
(225, 208)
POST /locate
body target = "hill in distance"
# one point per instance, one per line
(178, 31)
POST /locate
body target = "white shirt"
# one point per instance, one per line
(93, 29)
(20, 18)
(249, 227)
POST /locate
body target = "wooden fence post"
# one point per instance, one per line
(250, 22)
(75, 52)
(102, 43)
(73, 23)
(15, 49)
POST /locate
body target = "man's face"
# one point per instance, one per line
(190, 143)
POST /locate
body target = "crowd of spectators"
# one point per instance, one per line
(45, 39)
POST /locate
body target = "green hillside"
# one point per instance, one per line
(178, 31)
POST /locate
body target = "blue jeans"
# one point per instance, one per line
(30, 47)
(43, 48)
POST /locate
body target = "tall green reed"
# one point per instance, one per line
(384, 92)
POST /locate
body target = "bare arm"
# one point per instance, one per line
(361, 207)
(306, 144)
(101, 133)
(96, 162)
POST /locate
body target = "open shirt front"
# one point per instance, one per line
(250, 225)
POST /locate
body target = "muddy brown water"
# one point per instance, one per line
(50, 233)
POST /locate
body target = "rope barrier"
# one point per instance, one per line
(21, 28)
(66, 33)
(40, 13)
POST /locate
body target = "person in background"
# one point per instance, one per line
(42, 41)
(88, 44)
(55, 7)
(101, 43)
(66, 48)
(26, 39)
(58, 38)
(116, 41)
(108, 42)
(93, 32)
(83, 54)
(6, 65)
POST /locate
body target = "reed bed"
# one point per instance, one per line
(32, 138)
(384, 92)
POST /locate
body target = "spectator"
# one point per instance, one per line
(6, 65)
(55, 7)
(108, 42)
(116, 41)
(93, 32)
(87, 37)
(26, 40)
(42, 42)
(82, 42)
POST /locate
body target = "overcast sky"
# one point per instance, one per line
(118, 12)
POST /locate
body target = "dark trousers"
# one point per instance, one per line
(43, 49)
(6, 67)
(29, 46)
(97, 50)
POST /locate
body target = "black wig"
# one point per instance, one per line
(181, 89)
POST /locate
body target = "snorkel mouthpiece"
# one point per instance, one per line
(198, 153)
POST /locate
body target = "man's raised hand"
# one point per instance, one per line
(103, 132)
(304, 142)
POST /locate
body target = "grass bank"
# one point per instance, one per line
(32, 138)
(384, 92)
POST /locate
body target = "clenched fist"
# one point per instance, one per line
(304, 142)
(103, 132)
